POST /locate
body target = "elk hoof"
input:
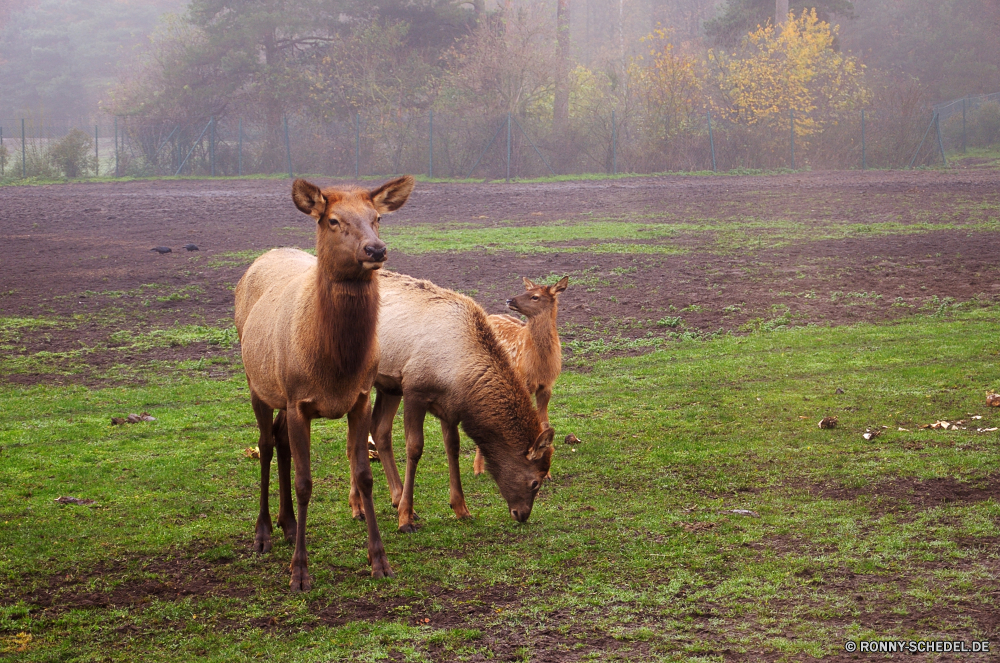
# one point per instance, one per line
(289, 533)
(301, 582)
(360, 515)
(261, 544)
(408, 528)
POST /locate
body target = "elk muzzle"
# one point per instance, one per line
(375, 254)
(520, 515)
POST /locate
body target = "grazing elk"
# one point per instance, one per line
(533, 346)
(308, 326)
(439, 355)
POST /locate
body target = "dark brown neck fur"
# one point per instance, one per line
(498, 411)
(346, 320)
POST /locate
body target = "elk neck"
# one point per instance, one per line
(542, 333)
(346, 317)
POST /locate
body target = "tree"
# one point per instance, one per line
(741, 17)
(791, 68)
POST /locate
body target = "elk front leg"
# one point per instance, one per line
(298, 442)
(413, 426)
(382, 415)
(358, 424)
(265, 446)
(286, 512)
(455, 494)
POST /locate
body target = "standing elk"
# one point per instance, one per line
(439, 355)
(533, 347)
(307, 326)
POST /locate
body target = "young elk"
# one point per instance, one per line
(308, 332)
(533, 347)
(439, 355)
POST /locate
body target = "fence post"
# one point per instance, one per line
(430, 146)
(963, 124)
(239, 158)
(116, 146)
(97, 152)
(914, 159)
(937, 127)
(614, 144)
(864, 161)
(357, 145)
(508, 147)
(711, 141)
(791, 115)
(3, 159)
(288, 149)
(24, 158)
(211, 148)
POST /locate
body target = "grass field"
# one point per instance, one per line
(633, 550)
(703, 515)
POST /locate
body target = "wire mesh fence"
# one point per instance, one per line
(450, 145)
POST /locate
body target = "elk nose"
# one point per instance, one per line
(519, 516)
(510, 302)
(376, 253)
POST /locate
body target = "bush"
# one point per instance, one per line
(73, 154)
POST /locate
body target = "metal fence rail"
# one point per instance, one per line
(462, 146)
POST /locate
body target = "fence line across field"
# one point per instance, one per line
(455, 146)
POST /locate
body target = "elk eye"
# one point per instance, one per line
(534, 485)
(334, 222)
(534, 298)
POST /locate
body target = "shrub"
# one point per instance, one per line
(73, 154)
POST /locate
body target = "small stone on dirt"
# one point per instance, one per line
(191, 247)
(73, 500)
(743, 512)
(828, 422)
(162, 249)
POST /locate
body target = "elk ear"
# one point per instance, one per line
(560, 286)
(390, 196)
(528, 285)
(308, 198)
(542, 444)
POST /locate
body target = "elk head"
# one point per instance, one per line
(347, 241)
(519, 477)
(537, 299)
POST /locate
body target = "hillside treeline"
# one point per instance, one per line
(634, 81)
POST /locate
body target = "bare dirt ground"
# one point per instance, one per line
(64, 248)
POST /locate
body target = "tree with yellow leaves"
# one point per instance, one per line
(793, 67)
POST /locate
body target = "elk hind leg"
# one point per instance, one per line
(265, 446)
(413, 424)
(383, 413)
(286, 512)
(298, 443)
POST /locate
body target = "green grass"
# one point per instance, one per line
(672, 439)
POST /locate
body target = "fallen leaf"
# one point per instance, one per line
(572, 439)
(74, 500)
(373, 451)
(978, 416)
(993, 400)
(117, 421)
(987, 430)
(133, 418)
(905, 430)
(872, 433)
(839, 391)
(828, 422)
(146, 416)
(251, 453)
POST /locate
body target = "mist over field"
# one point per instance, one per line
(594, 85)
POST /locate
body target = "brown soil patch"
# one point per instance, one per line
(63, 248)
(913, 493)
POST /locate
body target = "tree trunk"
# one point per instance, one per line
(560, 106)
(780, 12)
